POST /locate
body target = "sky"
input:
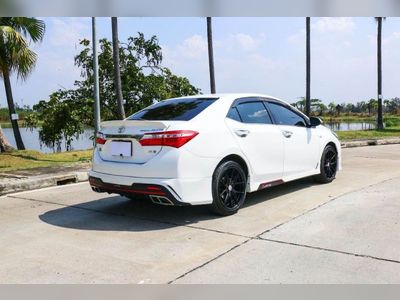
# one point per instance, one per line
(260, 55)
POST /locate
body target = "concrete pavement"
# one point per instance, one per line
(353, 239)
(300, 232)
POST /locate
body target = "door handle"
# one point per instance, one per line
(242, 132)
(287, 134)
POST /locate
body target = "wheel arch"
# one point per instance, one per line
(333, 145)
(236, 158)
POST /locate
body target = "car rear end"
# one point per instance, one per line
(147, 154)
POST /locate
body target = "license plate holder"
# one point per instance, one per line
(121, 148)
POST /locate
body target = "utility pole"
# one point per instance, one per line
(379, 64)
(117, 71)
(308, 68)
(96, 79)
(211, 55)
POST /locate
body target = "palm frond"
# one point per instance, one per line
(26, 59)
(31, 28)
(8, 34)
(15, 55)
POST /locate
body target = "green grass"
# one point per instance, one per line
(21, 124)
(368, 134)
(8, 124)
(29, 159)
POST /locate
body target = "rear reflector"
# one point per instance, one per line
(176, 138)
(153, 188)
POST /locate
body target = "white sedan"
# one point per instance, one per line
(211, 149)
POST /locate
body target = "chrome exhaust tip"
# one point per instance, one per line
(160, 200)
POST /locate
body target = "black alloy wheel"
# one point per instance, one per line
(228, 188)
(328, 165)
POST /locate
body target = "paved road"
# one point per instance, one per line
(301, 232)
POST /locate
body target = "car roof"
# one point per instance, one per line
(233, 96)
(229, 97)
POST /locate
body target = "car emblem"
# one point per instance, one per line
(121, 129)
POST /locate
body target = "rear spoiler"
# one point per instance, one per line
(126, 123)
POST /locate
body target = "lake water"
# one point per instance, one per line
(31, 138)
(346, 126)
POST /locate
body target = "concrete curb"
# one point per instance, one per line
(372, 142)
(35, 182)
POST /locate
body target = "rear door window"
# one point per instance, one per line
(253, 112)
(182, 109)
(234, 114)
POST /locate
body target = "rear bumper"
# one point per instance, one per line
(156, 193)
(167, 191)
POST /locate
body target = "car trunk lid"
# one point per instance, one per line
(122, 140)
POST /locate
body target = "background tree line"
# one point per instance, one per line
(21, 111)
(361, 108)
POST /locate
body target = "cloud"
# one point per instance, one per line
(194, 47)
(321, 27)
(67, 31)
(347, 44)
(61, 44)
(241, 63)
(325, 25)
(245, 41)
(392, 38)
(298, 37)
(240, 41)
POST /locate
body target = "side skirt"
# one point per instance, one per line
(270, 184)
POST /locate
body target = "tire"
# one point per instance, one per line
(229, 184)
(328, 165)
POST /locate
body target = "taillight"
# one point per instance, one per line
(101, 138)
(176, 138)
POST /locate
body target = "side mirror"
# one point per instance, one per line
(314, 121)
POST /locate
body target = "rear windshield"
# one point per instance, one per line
(183, 109)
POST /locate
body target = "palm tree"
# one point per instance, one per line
(4, 144)
(379, 58)
(210, 55)
(117, 71)
(308, 68)
(15, 56)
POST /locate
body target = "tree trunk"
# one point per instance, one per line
(96, 92)
(379, 53)
(117, 71)
(308, 68)
(4, 144)
(211, 55)
(11, 110)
